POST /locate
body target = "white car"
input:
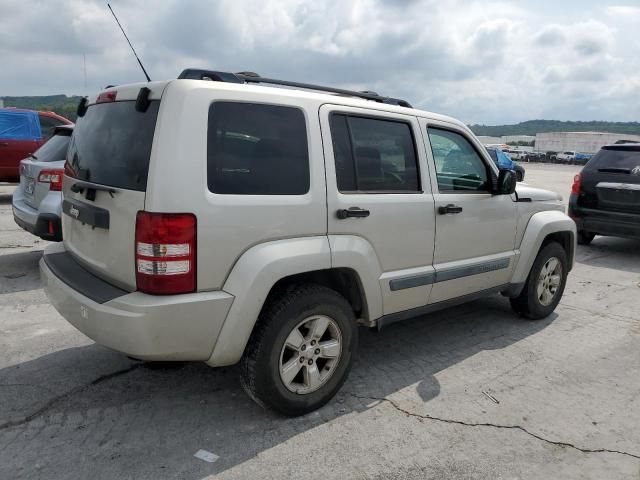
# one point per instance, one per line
(37, 202)
(216, 218)
(565, 157)
(518, 154)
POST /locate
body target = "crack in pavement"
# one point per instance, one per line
(47, 406)
(421, 417)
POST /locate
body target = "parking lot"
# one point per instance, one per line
(470, 392)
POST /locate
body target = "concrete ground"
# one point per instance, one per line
(471, 392)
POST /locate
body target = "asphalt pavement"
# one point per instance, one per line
(473, 392)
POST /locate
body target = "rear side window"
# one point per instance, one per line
(111, 144)
(55, 149)
(622, 158)
(373, 155)
(257, 149)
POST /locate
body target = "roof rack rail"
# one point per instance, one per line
(251, 77)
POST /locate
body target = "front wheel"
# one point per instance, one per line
(545, 284)
(301, 350)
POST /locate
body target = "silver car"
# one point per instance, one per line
(37, 201)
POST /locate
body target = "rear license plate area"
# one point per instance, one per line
(619, 196)
(29, 186)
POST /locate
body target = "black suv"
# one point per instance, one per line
(605, 197)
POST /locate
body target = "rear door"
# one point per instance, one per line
(379, 190)
(475, 230)
(105, 182)
(11, 152)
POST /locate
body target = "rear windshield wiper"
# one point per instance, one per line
(31, 155)
(614, 170)
(79, 186)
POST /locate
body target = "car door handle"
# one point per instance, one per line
(354, 212)
(4, 144)
(451, 208)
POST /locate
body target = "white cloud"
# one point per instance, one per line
(488, 62)
(626, 11)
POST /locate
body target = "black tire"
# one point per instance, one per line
(528, 304)
(260, 365)
(585, 238)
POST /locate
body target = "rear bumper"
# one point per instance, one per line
(44, 222)
(603, 222)
(148, 327)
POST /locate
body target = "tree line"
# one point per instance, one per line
(531, 127)
(66, 106)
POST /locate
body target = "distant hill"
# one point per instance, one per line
(61, 104)
(531, 127)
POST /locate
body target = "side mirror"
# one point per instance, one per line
(506, 183)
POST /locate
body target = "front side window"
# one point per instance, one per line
(373, 155)
(459, 167)
(257, 149)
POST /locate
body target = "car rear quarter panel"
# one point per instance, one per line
(251, 280)
(228, 225)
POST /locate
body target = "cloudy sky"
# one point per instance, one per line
(481, 61)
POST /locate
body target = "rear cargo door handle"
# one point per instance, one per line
(451, 208)
(352, 212)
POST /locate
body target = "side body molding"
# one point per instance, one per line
(250, 281)
(540, 225)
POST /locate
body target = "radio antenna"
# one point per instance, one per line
(129, 42)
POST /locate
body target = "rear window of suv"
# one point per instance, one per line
(55, 149)
(111, 144)
(623, 157)
(257, 149)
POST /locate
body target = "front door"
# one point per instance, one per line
(379, 200)
(475, 229)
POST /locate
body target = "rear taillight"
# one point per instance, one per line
(52, 177)
(106, 97)
(165, 253)
(575, 188)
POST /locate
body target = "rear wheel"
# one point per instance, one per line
(545, 284)
(301, 350)
(585, 238)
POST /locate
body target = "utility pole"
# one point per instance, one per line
(84, 63)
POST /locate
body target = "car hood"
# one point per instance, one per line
(536, 194)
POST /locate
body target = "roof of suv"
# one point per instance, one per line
(623, 146)
(131, 91)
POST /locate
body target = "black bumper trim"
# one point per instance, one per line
(603, 222)
(41, 228)
(77, 277)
